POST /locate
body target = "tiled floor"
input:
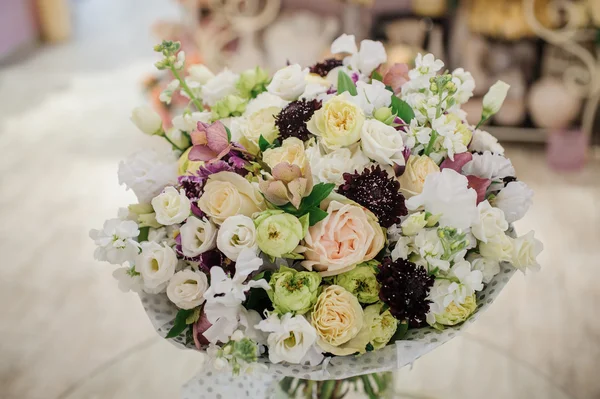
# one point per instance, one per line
(64, 127)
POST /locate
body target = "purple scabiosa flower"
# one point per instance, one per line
(291, 121)
(323, 68)
(378, 192)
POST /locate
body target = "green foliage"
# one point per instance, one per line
(402, 109)
(310, 204)
(180, 322)
(345, 83)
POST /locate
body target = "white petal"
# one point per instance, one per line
(344, 44)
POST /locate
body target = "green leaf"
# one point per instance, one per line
(345, 83)
(316, 215)
(318, 194)
(143, 236)
(228, 134)
(327, 388)
(369, 347)
(384, 307)
(263, 144)
(179, 324)
(400, 331)
(402, 109)
(376, 76)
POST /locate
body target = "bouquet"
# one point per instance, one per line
(322, 222)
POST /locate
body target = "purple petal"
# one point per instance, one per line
(198, 329)
(480, 186)
(201, 153)
(459, 161)
(216, 135)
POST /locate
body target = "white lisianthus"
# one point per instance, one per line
(525, 251)
(414, 223)
(488, 267)
(219, 87)
(491, 222)
(489, 166)
(262, 101)
(483, 141)
(494, 98)
(446, 193)
(197, 236)
(129, 279)
(382, 143)
(236, 234)
(372, 96)
(200, 73)
(330, 168)
(514, 200)
(188, 122)
(370, 56)
(498, 248)
(171, 206)
(147, 172)
(290, 338)
(116, 241)
(289, 82)
(186, 289)
(156, 263)
(147, 120)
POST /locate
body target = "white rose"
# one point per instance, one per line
(147, 172)
(493, 99)
(498, 248)
(186, 289)
(249, 128)
(525, 251)
(382, 143)
(218, 87)
(236, 234)
(171, 206)
(491, 222)
(197, 236)
(200, 73)
(488, 267)
(290, 338)
(157, 265)
(262, 101)
(514, 200)
(413, 224)
(483, 141)
(147, 120)
(330, 168)
(289, 82)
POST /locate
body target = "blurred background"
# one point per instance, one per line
(72, 70)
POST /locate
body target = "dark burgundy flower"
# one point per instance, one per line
(210, 259)
(404, 288)
(323, 68)
(378, 192)
(291, 121)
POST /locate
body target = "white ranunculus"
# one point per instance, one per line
(330, 168)
(171, 206)
(488, 267)
(186, 289)
(483, 141)
(446, 193)
(262, 101)
(147, 172)
(156, 263)
(189, 122)
(372, 96)
(289, 82)
(197, 236)
(218, 87)
(382, 143)
(490, 223)
(489, 166)
(498, 248)
(514, 200)
(525, 251)
(493, 99)
(147, 120)
(116, 241)
(290, 338)
(200, 73)
(236, 234)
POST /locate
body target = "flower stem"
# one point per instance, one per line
(186, 88)
(481, 122)
(434, 136)
(172, 143)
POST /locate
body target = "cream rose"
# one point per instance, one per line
(337, 317)
(236, 234)
(330, 168)
(289, 82)
(228, 194)
(349, 235)
(171, 206)
(338, 122)
(382, 143)
(197, 236)
(498, 248)
(186, 289)
(417, 169)
(260, 123)
(491, 222)
(525, 251)
(156, 263)
(291, 151)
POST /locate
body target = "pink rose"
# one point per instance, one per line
(349, 235)
(396, 76)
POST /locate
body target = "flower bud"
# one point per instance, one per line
(200, 73)
(385, 115)
(494, 99)
(147, 120)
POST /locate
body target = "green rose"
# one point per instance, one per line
(279, 233)
(229, 106)
(455, 314)
(252, 82)
(382, 325)
(361, 282)
(293, 291)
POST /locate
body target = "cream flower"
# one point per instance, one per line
(382, 143)
(338, 122)
(291, 151)
(197, 236)
(373, 96)
(228, 194)
(418, 167)
(290, 338)
(337, 318)
(488, 267)
(491, 222)
(493, 99)
(370, 56)
(186, 289)
(236, 234)
(289, 82)
(498, 248)
(514, 200)
(250, 127)
(219, 87)
(484, 141)
(147, 120)
(330, 168)
(525, 251)
(171, 207)
(349, 235)
(489, 166)
(156, 263)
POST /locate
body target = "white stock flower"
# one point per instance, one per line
(525, 251)
(129, 279)
(290, 338)
(465, 84)
(452, 141)
(262, 101)
(382, 143)
(483, 141)
(236, 234)
(186, 289)
(498, 248)
(446, 193)
(514, 200)
(414, 223)
(188, 122)
(197, 236)
(330, 168)
(147, 172)
(171, 206)
(289, 82)
(488, 267)
(444, 291)
(489, 166)
(491, 222)
(370, 56)
(219, 87)
(156, 263)
(404, 247)
(430, 247)
(147, 120)
(426, 66)
(116, 241)
(200, 73)
(493, 99)
(372, 96)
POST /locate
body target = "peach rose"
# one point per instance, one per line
(349, 235)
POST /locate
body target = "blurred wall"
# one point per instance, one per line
(17, 26)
